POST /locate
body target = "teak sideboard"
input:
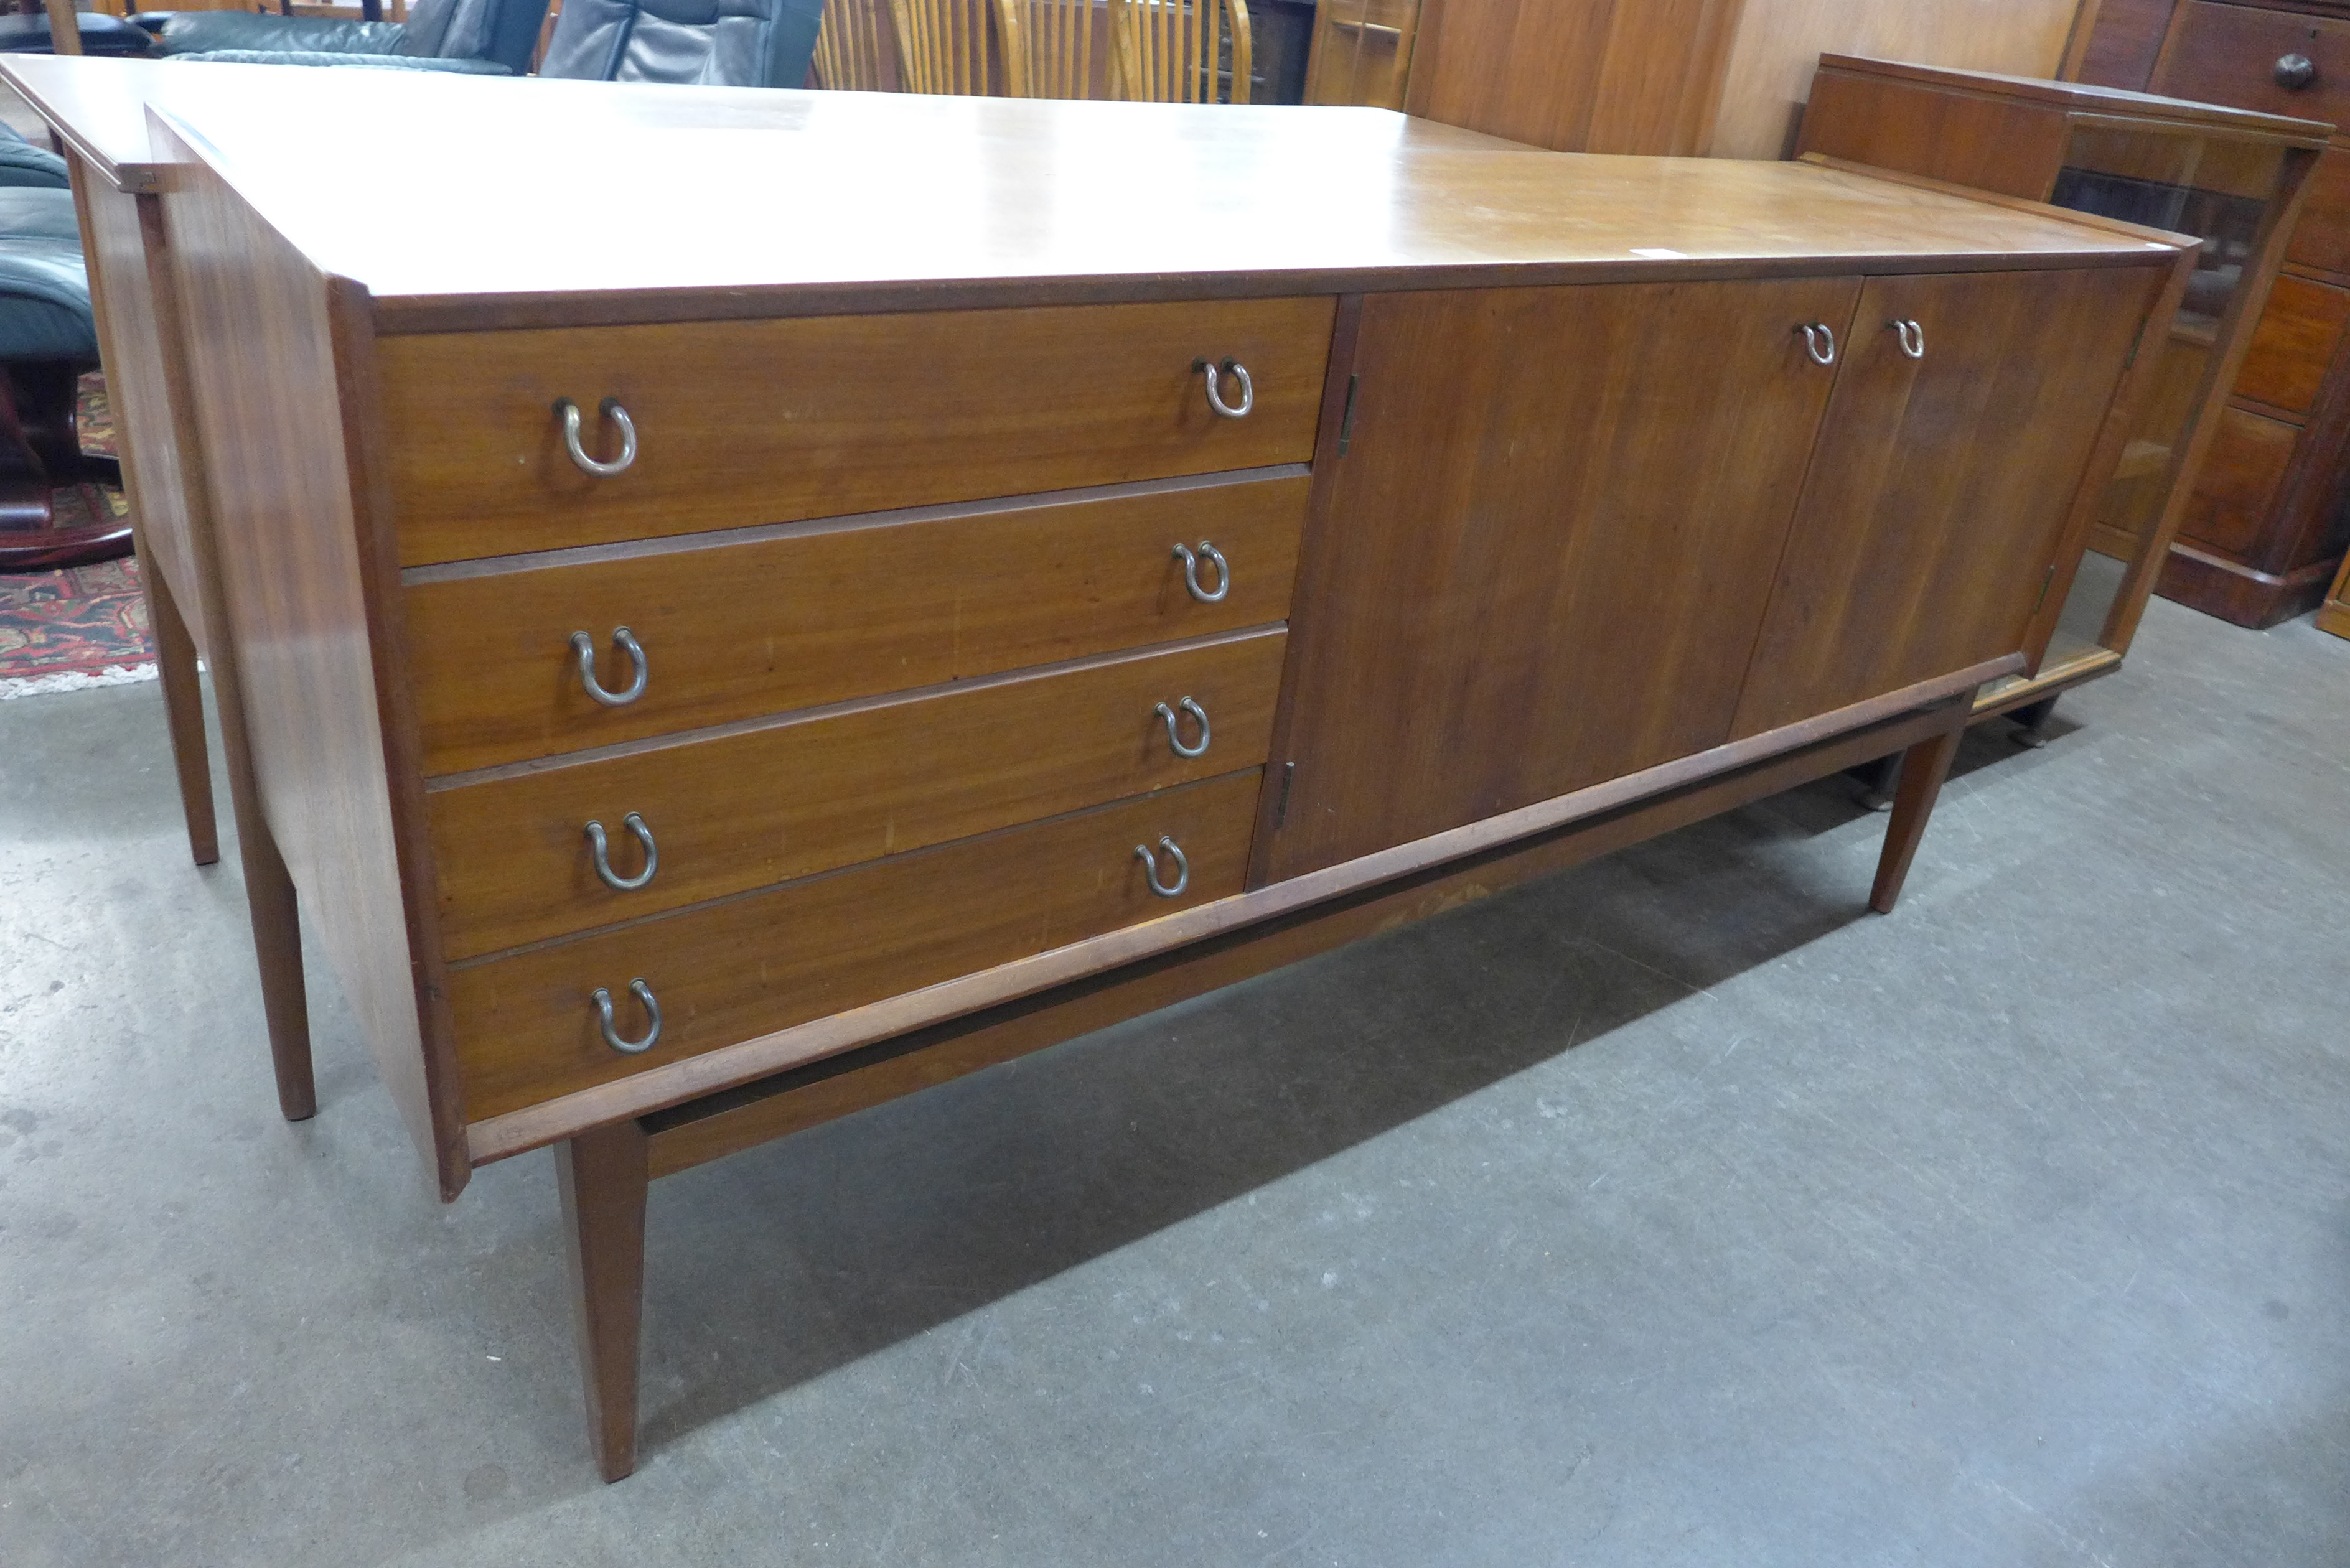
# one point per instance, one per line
(705, 672)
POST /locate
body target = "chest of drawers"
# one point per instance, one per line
(698, 692)
(2270, 516)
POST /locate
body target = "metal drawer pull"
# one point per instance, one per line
(1912, 336)
(584, 647)
(2296, 71)
(1175, 734)
(601, 851)
(644, 995)
(1150, 872)
(1238, 373)
(1819, 341)
(1191, 572)
(610, 409)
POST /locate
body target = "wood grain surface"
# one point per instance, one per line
(733, 629)
(2228, 54)
(729, 972)
(743, 423)
(1543, 570)
(1936, 480)
(2294, 345)
(307, 600)
(827, 789)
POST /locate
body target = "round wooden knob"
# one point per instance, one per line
(2296, 72)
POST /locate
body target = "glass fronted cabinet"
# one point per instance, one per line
(2229, 177)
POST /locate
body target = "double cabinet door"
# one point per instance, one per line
(1579, 532)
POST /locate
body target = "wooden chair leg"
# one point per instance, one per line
(183, 712)
(1924, 766)
(603, 1176)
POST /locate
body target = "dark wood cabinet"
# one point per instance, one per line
(2271, 517)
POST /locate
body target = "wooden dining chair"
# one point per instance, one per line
(1178, 51)
(1050, 47)
(950, 46)
(856, 47)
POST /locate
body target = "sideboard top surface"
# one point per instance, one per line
(515, 204)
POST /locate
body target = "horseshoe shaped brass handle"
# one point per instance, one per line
(612, 410)
(644, 995)
(1175, 732)
(601, 851)
(1819, 341)
(1912, 336)
(584, 647)
(1151, 868)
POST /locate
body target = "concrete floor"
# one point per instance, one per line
(1675, 1211)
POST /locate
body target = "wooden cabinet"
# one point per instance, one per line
(937, 648)
(2272, 517)
(2229, 177)
(1944, 482)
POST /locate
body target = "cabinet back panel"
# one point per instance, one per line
(1537, 570)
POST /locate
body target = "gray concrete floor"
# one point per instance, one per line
(1674, 1211)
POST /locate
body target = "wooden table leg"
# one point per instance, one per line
(183, 712)
(1924, 766)
(602, 1174)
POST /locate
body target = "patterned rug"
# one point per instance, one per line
(86, 625)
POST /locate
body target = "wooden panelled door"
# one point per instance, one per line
(1541, 566)
(1945, 460)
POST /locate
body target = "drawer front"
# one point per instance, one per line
(526, 1025)
(2237, 489)
(2321, 237)
(2294, 347)
(733, 632)
(2230, 54)
(741, 423)
(810, 794)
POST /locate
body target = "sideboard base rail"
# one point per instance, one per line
(605, 1170)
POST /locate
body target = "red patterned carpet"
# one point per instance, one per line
(63, 630)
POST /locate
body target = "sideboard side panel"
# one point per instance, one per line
(262, 357)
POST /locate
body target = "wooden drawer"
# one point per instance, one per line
(734, 630)
(2237, 487)
(2321, 238)
(2229, 54)
(527, 1026)
(747, 422)
(812, 793)
(2293, 345)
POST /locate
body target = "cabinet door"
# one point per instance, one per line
(1543, 559)
(1942, 484)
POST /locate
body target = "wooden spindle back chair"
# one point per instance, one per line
(1052, 48)
(950, 46)
(1176, 51)
(856, 47)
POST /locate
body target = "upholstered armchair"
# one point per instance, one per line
(701, 43)
(484, 37)
(47, 338)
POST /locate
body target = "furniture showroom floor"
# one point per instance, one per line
(1674, 1211)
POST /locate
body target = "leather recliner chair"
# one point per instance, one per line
(701, 43)
(482, 38)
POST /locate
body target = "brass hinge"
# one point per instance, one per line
(1281, 810)
(1347, 424)
(2046, 584)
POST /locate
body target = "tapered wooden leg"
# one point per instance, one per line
(184, 710)
(602, 1175)
(1924, 766)
(277, 948)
